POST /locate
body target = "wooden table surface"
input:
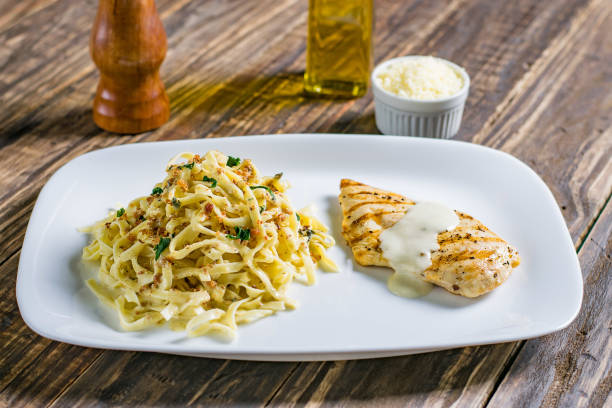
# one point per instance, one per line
(541, 90)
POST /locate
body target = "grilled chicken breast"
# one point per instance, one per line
(471, 260)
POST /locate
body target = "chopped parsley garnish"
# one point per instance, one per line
(157, 191)
(212, 180)
(183, 166)
(266, 188)
(120, 212)
(232, 161)
(243, 234)
(262, 208)
(307, 232)
(159, 248)
(176, 203)
(142, 218)
(298, 216)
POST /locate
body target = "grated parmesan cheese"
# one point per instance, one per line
(421, 78)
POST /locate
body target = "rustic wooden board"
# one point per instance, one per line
(572, 367)
(32, 368)
(558, 120)
(234, 67)
(174, 381)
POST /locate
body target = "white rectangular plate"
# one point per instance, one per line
(346, 315)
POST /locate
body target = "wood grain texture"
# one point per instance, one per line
(572, 368)
(463, 377)
(540, 90)
(567, 115)
(173, 381)
(11, 12)
(33, 369)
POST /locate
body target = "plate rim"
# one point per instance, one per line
(31, 244)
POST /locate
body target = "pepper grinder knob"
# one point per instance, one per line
(128, 45)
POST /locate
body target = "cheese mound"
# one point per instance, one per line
(421, 78)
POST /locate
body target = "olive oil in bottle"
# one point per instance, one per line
(339, 48)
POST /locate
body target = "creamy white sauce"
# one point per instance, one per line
(408, 245)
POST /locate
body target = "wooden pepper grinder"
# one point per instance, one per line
(128, 45)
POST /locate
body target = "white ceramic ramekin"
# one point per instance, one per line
(398, 115)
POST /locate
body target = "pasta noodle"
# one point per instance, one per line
(214, 245)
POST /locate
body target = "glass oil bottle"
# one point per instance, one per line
(339, 47)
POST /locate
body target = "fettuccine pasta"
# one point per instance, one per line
(214, 245)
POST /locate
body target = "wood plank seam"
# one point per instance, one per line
(504, 372)
(207, 383)
(69, 383)
(601, 248)
(531, 75)
(514, 357)
(471, 379)
(2, 262)
(594, 222)
(281, 384)
(44, 351)
(330, 376)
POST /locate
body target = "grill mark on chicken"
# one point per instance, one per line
(471, 238)
(359, 220)
(353, 208)
(388, 195)
(361, 237)
(471, 260)
(478, 254)
(349, 182)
